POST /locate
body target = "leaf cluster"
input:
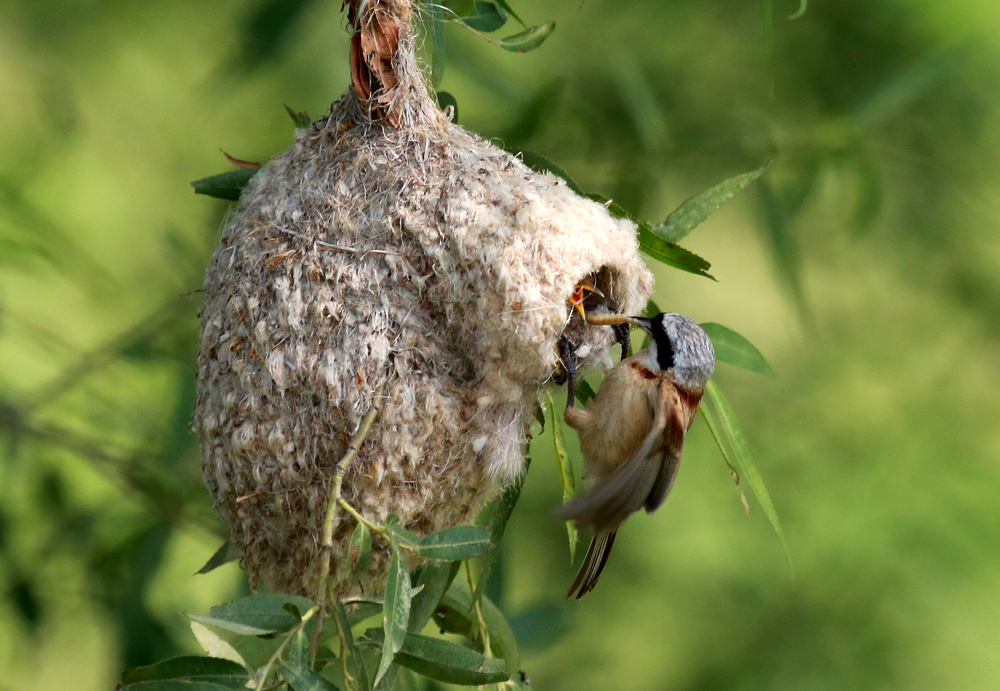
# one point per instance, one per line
(271, 641)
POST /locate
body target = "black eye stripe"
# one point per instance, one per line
(664, 348)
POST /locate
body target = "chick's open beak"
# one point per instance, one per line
(578, 296)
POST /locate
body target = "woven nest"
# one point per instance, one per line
(389, 249)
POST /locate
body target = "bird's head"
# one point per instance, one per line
(680, 348)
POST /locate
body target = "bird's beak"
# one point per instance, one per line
(576, 300)
(643, 323)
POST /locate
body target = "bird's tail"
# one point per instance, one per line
(593, 564)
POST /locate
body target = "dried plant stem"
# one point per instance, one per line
(331, 511)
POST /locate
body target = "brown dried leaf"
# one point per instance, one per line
(239, 163)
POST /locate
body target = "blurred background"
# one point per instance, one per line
(865, 265)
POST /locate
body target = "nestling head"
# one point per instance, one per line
(679, 346)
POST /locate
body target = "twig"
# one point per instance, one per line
(266, 669)
(374, 527)
(484, 632)
(326, 546)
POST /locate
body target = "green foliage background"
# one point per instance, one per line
(864, 264)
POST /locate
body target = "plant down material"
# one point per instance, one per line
(388, 247)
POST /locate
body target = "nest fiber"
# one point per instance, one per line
(416, 259)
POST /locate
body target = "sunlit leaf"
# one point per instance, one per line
(733, 349)
(486, 17)
(360, 552)
(302, 678)
(457, 543)
(733, 445)
(255, 615)
(528, 39)
(396, 613)
(449, 662)
(226, 553)
(671, 254)
(227, 185)
(690, 214)
(223, 673)
(565, 472)
(215, 646)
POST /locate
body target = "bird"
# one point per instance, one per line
(632, 432)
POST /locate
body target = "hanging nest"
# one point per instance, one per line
(389, 249)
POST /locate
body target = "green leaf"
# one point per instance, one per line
(540, 164)
(297, 650)
(459, 7)
(801, 11)
(507, 8)
(459, 602)
(733, 445)
(225, 185)
(396, 613)
(671, 254)
(695, 210)
(363, 610)
(224, 673)
(449, 662)
(355, 665)
(732, 348)
(302, 678)
(445, 99)
(458, 543)
(528, 39)
(485, 17)
(225, 554)
(360, 552)
(565, 472)
(175, 685)
(256, 615)
(496, 515)
(435, 32)
(583, 392)
(403, 536)
(300, 118)
(434, 579)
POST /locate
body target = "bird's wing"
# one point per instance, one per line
(626, 490)
(667, 456)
